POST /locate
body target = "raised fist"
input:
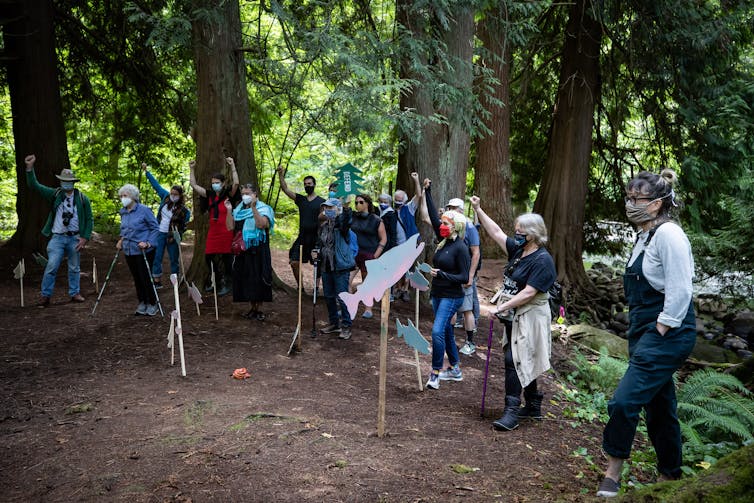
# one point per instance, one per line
(280, 170)
(474, 200)
(415, 175)
(230, 161)
(427, 183)
(228, 205)
(144, 166)
(192, 164)
(29, 160)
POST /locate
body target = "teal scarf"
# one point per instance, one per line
(251, 233)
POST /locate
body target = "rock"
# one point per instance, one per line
(742, 325)
(596, 338)
(621, 317)
(744, 353)
(708, 336)
(734, 343)
(710, 352)
(618, 326)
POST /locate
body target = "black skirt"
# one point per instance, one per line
(252, 275)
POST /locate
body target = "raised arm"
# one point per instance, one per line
(162, 192)
(233, 175)
(192, 180)
(432, 210)
(230, 222)
(284, 185)
(494, 230)
(417, 189)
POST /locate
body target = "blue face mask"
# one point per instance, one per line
(332, 194)
(331, 213)
(217, 187)
(519, 239)
(67, 186)
(384, 206)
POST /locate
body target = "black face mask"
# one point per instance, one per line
(309, 189)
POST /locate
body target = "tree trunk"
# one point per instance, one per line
(38, 127)
(492, 180)
(562, 198)
(223, 126)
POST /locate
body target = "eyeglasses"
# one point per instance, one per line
(361, 202)
(633, 200)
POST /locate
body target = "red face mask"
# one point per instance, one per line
(445, 231)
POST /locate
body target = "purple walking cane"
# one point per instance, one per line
(487, 366)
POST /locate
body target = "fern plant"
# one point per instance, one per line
(715, 407)
(602, 375)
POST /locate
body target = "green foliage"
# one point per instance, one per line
(601, 376)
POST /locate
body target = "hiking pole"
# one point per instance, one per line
(151, 280)
(107, 278)
(314, 303)
(487, 366)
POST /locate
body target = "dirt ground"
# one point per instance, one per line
(92, 409)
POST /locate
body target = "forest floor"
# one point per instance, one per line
(92, 409)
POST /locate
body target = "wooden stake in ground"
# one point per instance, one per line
(95, 279)
(193, 292)
(416, 352)
(297, 332)
(178, 325)
(385, 314)
(214, 288)
(18, 273)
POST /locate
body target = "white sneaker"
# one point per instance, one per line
(468, 349)
(141, 310)
(152, 309)
(433, 381)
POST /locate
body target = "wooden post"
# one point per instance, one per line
(385, 315)
(416, 352)
(95, 279)
(300, 290)
(178, 325)
(23, 271)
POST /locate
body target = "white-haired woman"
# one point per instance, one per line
(139, 232)
(525, 312)
(451, 264)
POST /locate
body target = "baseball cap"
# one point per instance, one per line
(456, 203)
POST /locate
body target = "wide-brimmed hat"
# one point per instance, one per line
(66, 175)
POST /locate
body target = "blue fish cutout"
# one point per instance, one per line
(412, 336)
(382, 273)
(416, 280)
(424, 267)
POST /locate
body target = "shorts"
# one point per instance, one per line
(468, 298)
(309, 241)
(361, 258)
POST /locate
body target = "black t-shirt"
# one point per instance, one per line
(454, 262)
(308, 214)
(536, 269)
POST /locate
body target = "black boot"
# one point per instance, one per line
(533, 407)
(509, 421)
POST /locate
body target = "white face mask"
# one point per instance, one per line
(126, 201)
(217, 186)
(174, 198)
(246, 199)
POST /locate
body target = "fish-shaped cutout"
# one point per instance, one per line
(382, 273)
(412, 336)
(424, 267)
(193, 292)
(418, 281)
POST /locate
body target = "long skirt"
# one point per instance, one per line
(252, 275)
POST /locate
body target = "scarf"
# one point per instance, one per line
(251, 233)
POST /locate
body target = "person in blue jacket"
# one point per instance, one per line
(138, 235)
(334, 253)
(172, 216)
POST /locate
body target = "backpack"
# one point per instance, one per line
(556, 299)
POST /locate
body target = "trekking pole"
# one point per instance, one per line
(487, 366)
(314, 303)
(151, 280)
(107, 278)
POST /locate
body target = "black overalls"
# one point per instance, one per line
(648, 382)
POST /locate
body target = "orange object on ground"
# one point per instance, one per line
(241, 373)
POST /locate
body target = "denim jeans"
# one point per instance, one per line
(334, 283)
(58, 247)
(162, 243)
(442, 331)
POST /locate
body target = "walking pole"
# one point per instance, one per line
(151, 280)
(487, 366)
(314, 303)
(300, 290)
(214, 288)
(107, 278)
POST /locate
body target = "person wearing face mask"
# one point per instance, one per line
(69, 227)
(172, 215)
(451, 264)
(333, 252)
(405, 211)
(371, 236)
(252, 268)
(661, 333)
(212, 201)
(139, 232)
(525, 312)
(390, 219)
(308, 213)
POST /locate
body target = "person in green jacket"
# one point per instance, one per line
(69, 227)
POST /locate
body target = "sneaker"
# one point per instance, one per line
(158, 285)
(77, 298)
(458, 324)
(330, 329)
(151, 310)
(44, 302)
(468, 349)
(141, 310)
(608, 488)
(451, 374)
(223, 291)
(433, 381)
(345, 333)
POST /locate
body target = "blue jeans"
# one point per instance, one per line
(334, 283)
(162, 243)
(442, 331)
(58, 247)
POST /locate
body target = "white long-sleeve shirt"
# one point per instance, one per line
(669, 268)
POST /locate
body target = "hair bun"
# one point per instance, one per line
(669, 176)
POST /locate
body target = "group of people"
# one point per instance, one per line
(339, 239)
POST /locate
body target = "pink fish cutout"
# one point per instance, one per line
(382, 273)
(194, 294)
